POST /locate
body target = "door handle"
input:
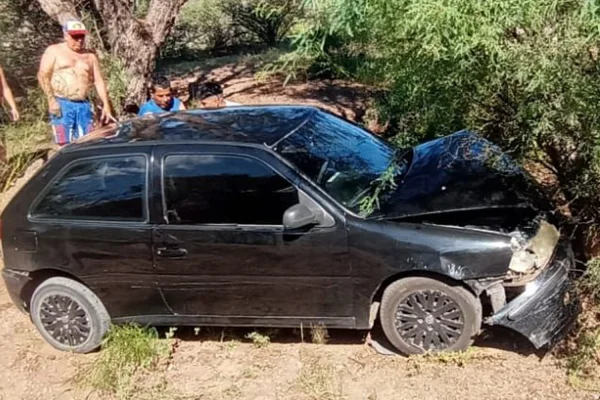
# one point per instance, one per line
(167, 252)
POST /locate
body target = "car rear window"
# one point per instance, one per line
(111, 188)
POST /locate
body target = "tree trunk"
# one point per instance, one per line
(135, 41)
(59, 10)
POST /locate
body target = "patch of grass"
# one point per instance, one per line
(127, 351)
(457, 358)
(259, 339)
(583, 354)
(24, 141)
(230, 345)
(318, 380)
(232, 392)
(117, 81)
(583, 364)
(23, 149)
(170, 334)
(319, 334)
(591, 280)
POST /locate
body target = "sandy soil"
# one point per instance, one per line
(220, 364)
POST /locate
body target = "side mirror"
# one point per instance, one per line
(298, 216)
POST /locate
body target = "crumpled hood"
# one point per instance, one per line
(458, 172)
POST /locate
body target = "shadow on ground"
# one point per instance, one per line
(491, 338)
(237, 75)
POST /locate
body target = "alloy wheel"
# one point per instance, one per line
(429, 320)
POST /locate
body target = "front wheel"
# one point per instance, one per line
(423, 314)
(68, 315)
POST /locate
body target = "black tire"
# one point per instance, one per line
(61, 302)
(422, 314)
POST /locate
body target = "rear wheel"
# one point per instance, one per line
(68, 315)
(422, 314)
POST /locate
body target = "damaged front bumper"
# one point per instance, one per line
(548, 306)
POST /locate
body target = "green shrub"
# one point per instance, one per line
(583, 358)
(203, 25)
(126, 350)
(115, 74)
(268, 21)
(524, 74)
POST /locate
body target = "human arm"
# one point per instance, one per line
(182, 106)
(101, 90)
(8, 95)
(45, 76)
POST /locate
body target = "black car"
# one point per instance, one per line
(280, 216)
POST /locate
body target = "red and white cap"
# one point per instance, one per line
(74, 28)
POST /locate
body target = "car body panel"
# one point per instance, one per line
(382, 249)
(549, 305)
(114, 259)
(246, 270)
(447, 218)
(461, 172)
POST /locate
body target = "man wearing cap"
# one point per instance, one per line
(66, 74)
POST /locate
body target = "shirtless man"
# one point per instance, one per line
(7, 94)
(67, 72)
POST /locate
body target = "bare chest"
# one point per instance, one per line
(80, 63)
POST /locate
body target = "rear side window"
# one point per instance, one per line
(111, 188)
(206, 189)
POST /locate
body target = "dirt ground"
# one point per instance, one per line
(219, 364)
(206, 367)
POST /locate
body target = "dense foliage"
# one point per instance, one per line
(523, 73)
(220, 26)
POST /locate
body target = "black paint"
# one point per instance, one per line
(448, 217)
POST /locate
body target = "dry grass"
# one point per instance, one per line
(583, 355)
(458, 358)
(318, 379)
(584, 364)
(259, 339)
(24, 143)
(455, 358)
(591, 280)
(319, 334)
(128, 353)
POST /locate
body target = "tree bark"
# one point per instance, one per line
(59, 10)
(135, 41)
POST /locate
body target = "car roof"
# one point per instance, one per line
(256, 124)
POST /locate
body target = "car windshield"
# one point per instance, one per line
(341, 158)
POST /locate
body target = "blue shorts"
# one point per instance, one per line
(76, 120)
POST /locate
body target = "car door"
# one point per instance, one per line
(222, 253)
(92, 222)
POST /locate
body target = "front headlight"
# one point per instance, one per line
(537, 252)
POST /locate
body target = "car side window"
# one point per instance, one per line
(111, 188)
(223, 189)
